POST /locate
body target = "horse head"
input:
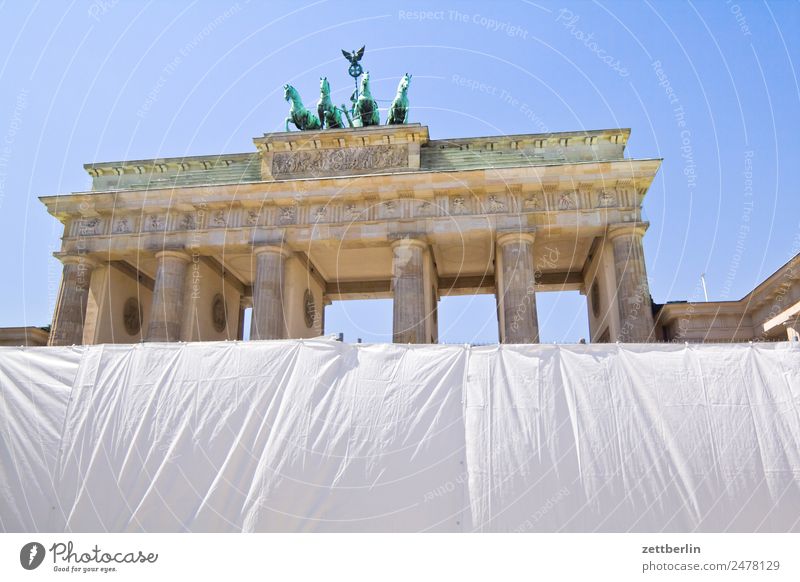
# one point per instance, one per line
(365, 85)
(324, 86)
(404, 83)
(290, 92)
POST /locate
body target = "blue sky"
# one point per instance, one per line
(712, 87)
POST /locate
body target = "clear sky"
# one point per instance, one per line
(712, 87)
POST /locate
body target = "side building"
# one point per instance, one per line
(770, 312)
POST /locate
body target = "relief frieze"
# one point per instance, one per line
(351, 211)
(337, 161)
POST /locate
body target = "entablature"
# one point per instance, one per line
(624, 183)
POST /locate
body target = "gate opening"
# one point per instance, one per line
(369, 320)
(563, 318)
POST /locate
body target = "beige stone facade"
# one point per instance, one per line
(770, 312)
(23, 336)
(176, 249)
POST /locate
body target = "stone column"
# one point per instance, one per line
(166, 314)
(267, 322)
(516, 288)
(633, 293)
(70, 312)
(408, 286)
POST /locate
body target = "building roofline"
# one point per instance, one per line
(751, 299)
(626, 131)
(48, 197)
(154, 161)
(377, 129)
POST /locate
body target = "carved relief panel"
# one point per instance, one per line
(423, 208)
(331, 162)
(124, 225)
(155, 223)
(389, 209)
(87, 226)
(252, 217)
(287, 214)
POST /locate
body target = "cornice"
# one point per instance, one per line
(541, 174)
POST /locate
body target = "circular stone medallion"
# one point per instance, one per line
(132, 316)
(309, 308)
(595, 294)
(218, 315)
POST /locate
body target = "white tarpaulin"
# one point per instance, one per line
(317, 435)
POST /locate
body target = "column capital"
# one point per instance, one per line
(505, 237)
(174, 254)
(281, 250)
(627, 228)
(72, 259)
(410, 240)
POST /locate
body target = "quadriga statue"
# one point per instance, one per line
(301, 117)
(366, 112)
(398, 110)
(329, 115)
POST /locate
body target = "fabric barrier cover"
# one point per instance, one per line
(35, 385)
(318, 435)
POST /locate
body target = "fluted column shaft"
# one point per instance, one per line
(408, 286)
(633, 292)
(70, 312)
(516, 288)
(267, 321)
(166, 315)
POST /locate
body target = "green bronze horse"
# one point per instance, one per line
(398, 111)
(301, 117)
(329, 114)
(366, 111)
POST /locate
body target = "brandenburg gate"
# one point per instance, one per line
(176, 249)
